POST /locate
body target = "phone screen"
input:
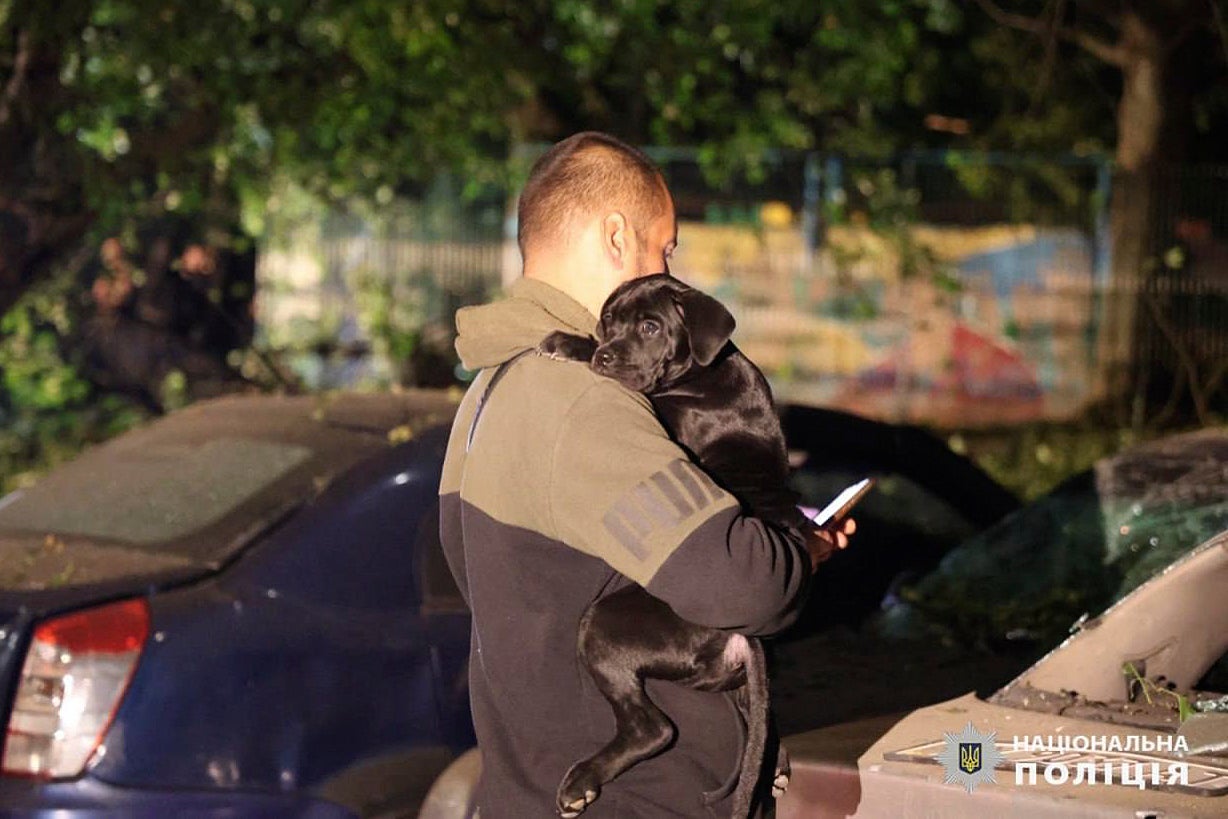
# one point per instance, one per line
(841, 504)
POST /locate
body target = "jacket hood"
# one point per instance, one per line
(490, 334)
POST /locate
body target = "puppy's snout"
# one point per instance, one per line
(605, 358)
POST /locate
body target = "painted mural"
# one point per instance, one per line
(996, 327)
(991, 325)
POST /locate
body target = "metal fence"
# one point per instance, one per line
(943, 289)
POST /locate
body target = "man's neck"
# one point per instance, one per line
(561, 274)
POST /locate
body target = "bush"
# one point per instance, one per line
(48, 411)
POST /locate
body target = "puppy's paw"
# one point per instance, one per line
(581, 787)
(780, 781)
(562, 346)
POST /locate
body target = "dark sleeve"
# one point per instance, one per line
(736, 572)
(622, 491)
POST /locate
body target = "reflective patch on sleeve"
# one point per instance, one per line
(663, 501)
(654, 504)
(671, 491)
(627, 509)
(689, 476)
(715, 491)
(617, 526)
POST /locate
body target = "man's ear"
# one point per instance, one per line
(708, 323)
(616, 237)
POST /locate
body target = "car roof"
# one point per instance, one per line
(186, 493)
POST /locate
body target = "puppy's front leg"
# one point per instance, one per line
(567, 347)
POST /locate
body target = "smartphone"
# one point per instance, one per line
(840, 505)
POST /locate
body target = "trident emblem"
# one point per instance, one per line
(969, 757)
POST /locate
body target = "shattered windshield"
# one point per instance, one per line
(1075, 551)
(1161, 501)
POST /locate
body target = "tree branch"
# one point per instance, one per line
(1188, 366)
(1109, 53)
(21, 66)
(1222, 30)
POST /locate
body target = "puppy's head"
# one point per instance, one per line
(654, 330)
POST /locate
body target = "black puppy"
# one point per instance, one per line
(671, 342)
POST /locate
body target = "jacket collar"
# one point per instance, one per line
(558, 304)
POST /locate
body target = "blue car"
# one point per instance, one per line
(242, 610)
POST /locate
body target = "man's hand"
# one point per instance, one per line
(825, 540)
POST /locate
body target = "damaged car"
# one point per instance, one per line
(1125, 569)
(242, 609)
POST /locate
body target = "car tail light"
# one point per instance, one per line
(75, 674)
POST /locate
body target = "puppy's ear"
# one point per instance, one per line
(707, 322)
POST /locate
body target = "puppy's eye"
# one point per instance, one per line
(649, 327)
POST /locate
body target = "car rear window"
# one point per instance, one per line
(153, 494)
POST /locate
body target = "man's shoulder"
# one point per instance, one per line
(541, 404)
(577, 389)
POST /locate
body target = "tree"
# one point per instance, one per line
(116, 111)
(163, 125)
(120, 116)
(1166, 53)
(1170, 60)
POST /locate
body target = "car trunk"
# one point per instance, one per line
(179, 500)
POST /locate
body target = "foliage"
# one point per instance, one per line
(1032, 459)
(47, 411)
(142, 107)
(1091, 74)
(118, 112)
(1039, 102)
(1140, 684)
(883, 215)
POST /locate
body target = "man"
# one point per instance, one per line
(541, 508)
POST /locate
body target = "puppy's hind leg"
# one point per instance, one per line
(783, 772)
(643, 731)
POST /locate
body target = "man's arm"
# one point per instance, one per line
(451, 535)
(622, 491)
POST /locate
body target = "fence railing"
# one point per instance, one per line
(973, 346)
(939, 288)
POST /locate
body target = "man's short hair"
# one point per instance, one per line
(585, 173)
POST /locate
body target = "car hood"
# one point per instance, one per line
(898, 772)
(1174, 626)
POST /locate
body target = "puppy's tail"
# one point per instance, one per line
(757, 716)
